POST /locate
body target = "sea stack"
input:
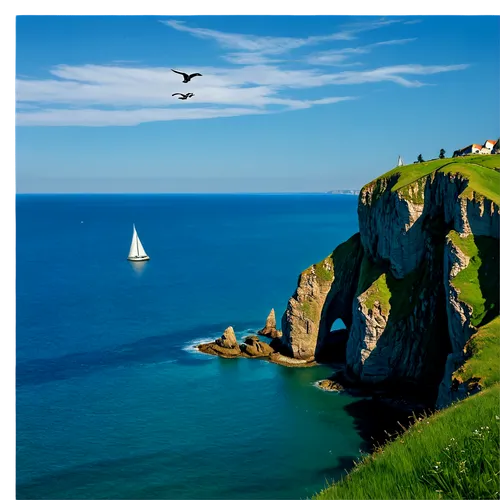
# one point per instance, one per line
(226, 346)
(269, 329)
(228, 339)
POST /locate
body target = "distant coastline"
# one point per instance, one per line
(344, 191)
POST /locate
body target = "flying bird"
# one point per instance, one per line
(183, 96)
(187, 77)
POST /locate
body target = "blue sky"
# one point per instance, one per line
(285, 103)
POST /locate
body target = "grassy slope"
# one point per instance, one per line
(452, 454)
(478, 282)
(483, 172)
(484, 349)
(392, 294)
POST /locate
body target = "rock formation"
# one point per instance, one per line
(255, 348)
(329, 385)
(227, 346)
(269, 329)
(412, 286)
(324, 294)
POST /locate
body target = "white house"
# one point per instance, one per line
(468, 150)
(489, 145)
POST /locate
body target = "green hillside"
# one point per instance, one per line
(452, 454)
(483, 172)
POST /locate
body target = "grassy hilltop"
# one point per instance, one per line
(481, 170)
(452, 453)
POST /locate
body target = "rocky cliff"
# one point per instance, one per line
(414, 284)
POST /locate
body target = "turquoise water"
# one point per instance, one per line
(112, 399)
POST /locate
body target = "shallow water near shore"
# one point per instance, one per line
(114, 401)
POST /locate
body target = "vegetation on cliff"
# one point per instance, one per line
(481, 171)
(478, 282)
(483, 356)
(452, 453)
(308, 315)
(395, 297)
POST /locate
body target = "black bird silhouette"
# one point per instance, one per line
(183, 96)
(187, 77)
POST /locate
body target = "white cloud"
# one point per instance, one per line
(124, 94)
(253, 49)
(104, 118)
(337, 56)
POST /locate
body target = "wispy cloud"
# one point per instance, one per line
(253, 49)
(146, 95)
(335, 57)
(123, 94)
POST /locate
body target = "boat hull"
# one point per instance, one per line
(137, 259)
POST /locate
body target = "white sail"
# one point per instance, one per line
(137, 251)
(141, 252)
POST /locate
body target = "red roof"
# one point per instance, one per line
(491, 142)
(477, 146)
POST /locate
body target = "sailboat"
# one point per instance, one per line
(137, 252)
(400, 161)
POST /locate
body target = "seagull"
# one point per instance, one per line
(183, 96)
(187, 77)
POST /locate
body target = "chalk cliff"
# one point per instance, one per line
(414, 284)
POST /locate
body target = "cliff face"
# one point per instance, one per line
(414, 285)
(324, 293)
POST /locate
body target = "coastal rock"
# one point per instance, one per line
(324, 294)
(269, 329)
(393, 219)
(390, 224)
(459, 312)
(461, 254)
(281, 359)
(329, 385)
(226, 346)
(255, 348)
(228, 339)
(397, 337)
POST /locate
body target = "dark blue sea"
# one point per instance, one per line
(113, 402)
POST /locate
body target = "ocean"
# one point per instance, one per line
(112, 399)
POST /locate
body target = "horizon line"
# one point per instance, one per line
(180, 193)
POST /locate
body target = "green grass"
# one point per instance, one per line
(310, 310)
(379, 292)
(482, 180)
(489, 161)
(478, 282)
(451, 454)
(483, 172)
(395, 296)
(484, 349)
(324, 270)
(414, 191)
(373, 283)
